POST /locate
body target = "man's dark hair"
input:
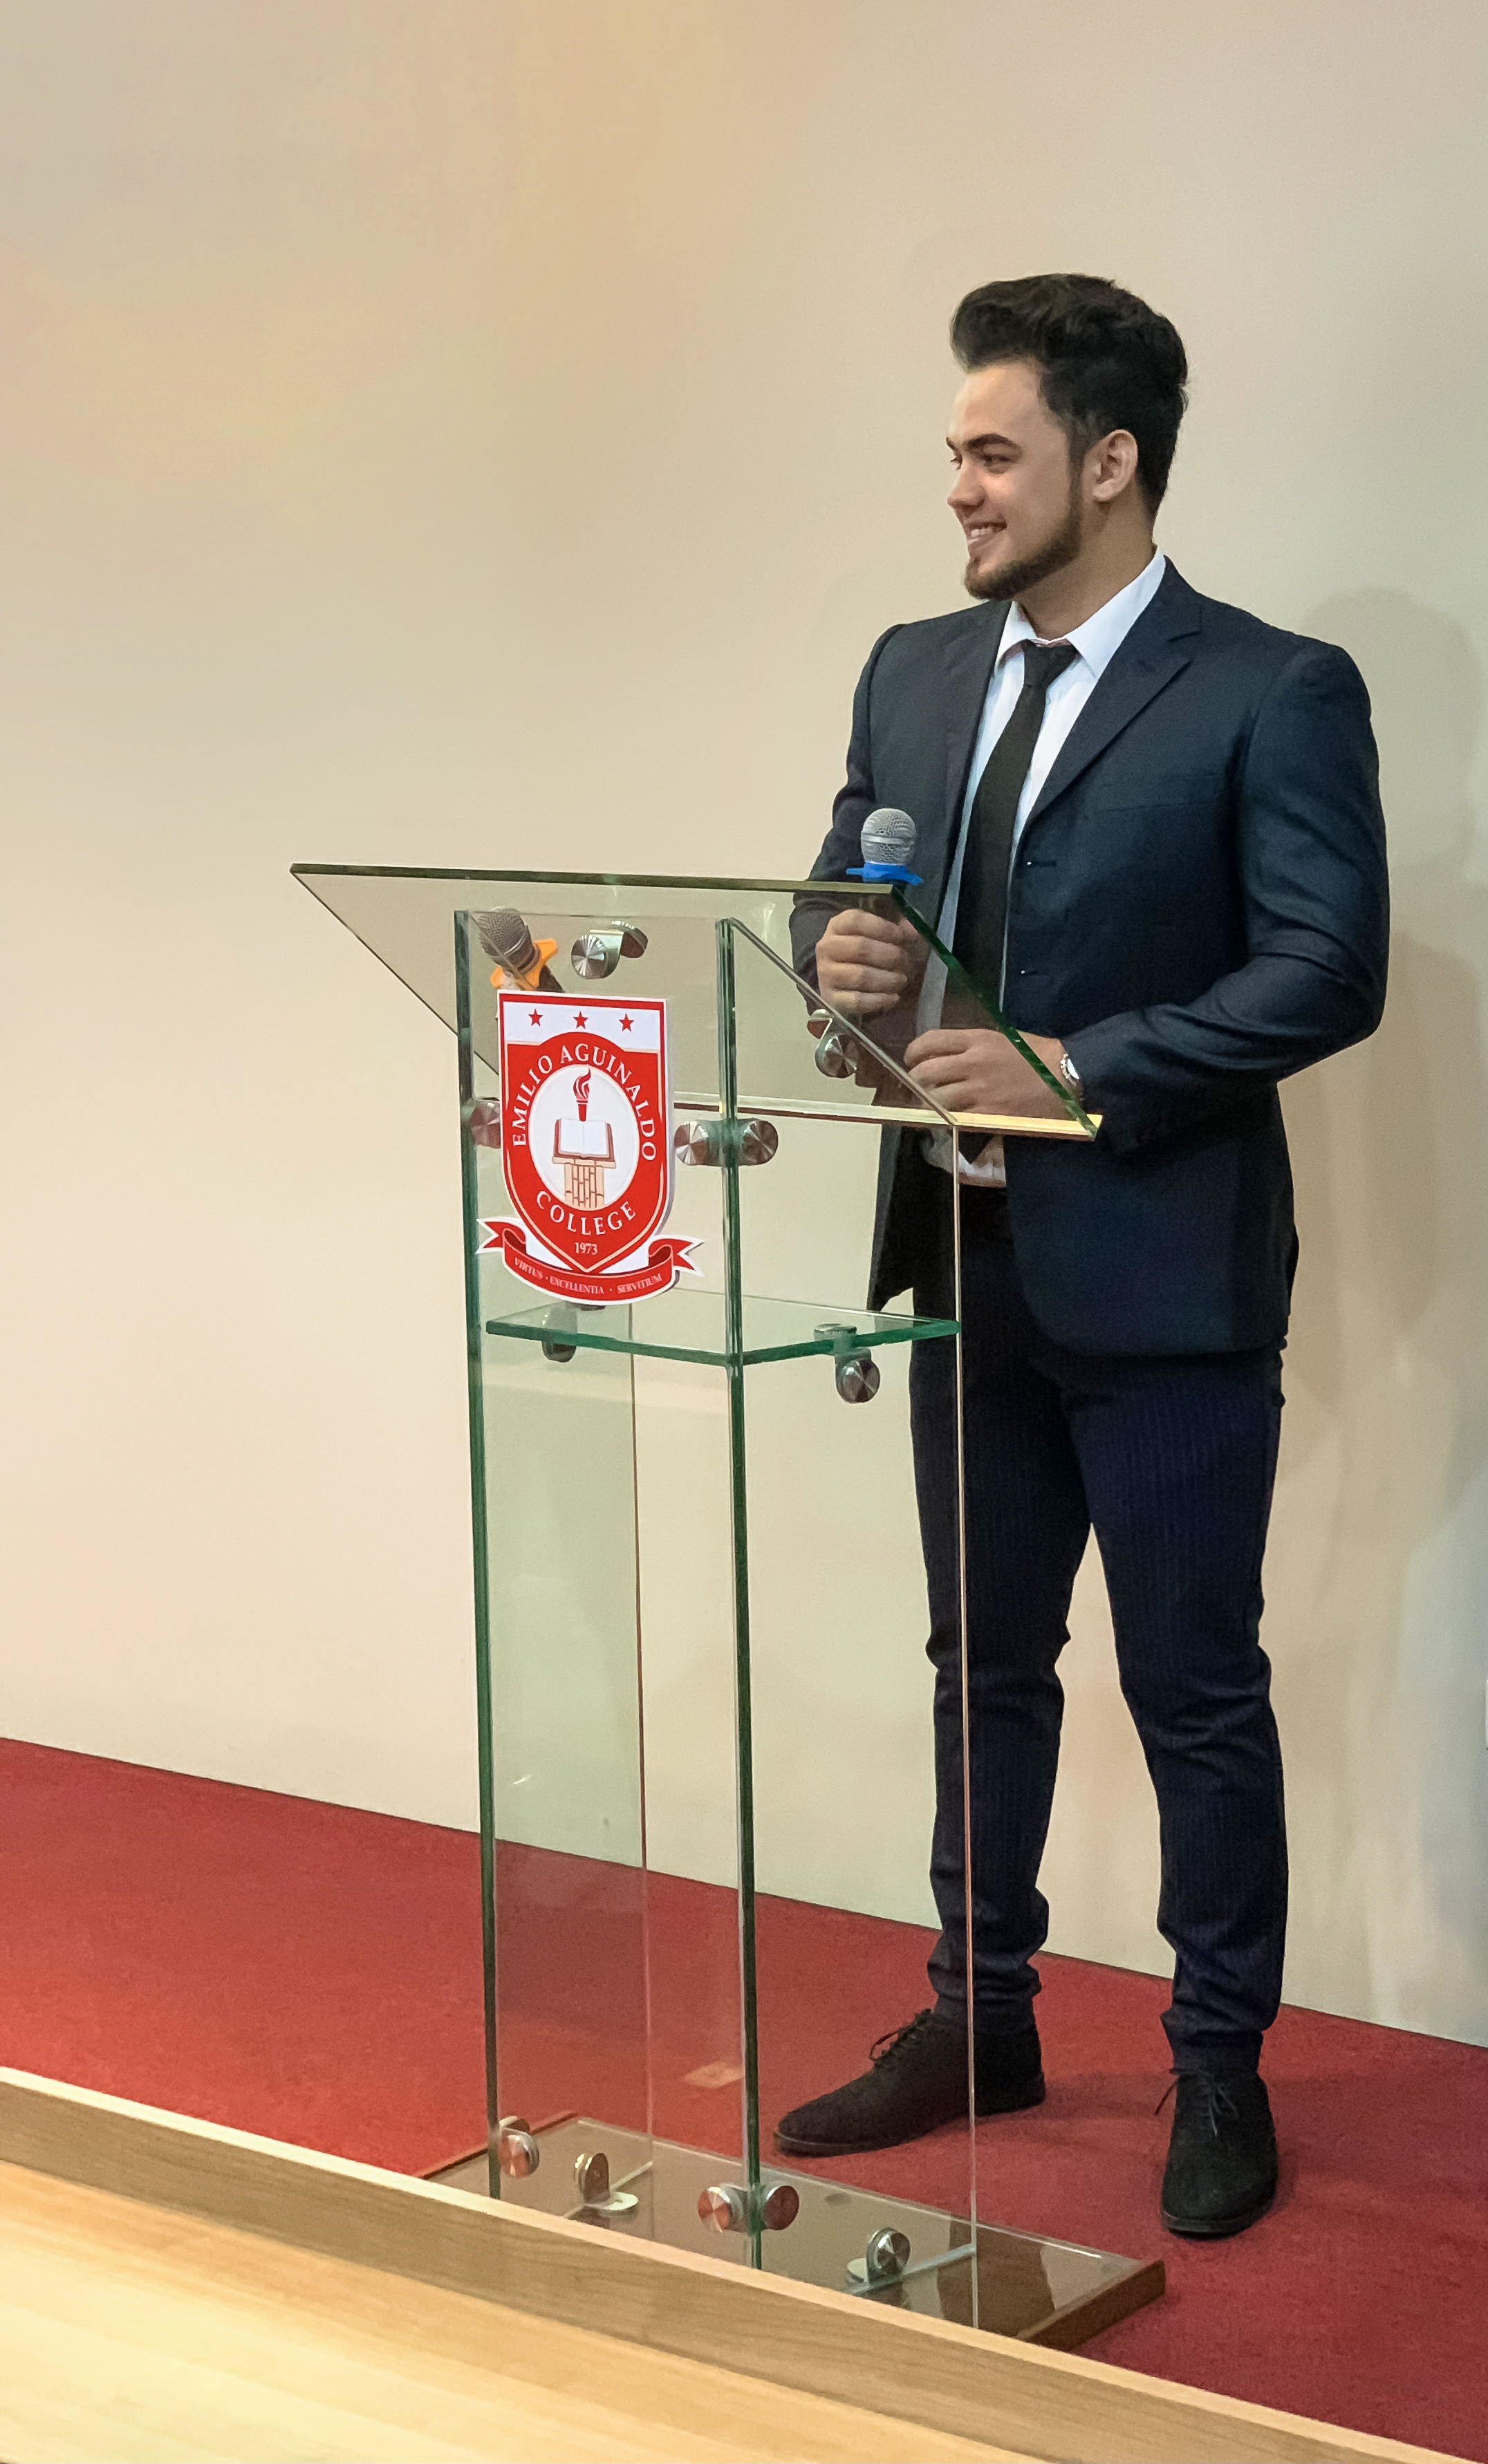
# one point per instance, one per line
(1106, 360)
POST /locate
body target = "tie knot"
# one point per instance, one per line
(1043, 661)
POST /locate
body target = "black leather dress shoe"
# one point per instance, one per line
(1222, 2157)
(917, 2080)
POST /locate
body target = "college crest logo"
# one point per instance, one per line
(587, 1145)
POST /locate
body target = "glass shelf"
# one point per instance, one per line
(683, 1325)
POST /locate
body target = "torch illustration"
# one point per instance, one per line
(584, 1148)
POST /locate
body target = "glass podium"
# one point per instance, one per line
(705, 1765)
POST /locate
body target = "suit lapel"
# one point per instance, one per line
(969, 661)
(1158, 647)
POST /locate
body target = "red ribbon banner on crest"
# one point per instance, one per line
(665, 1261)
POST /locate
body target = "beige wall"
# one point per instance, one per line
(482, 432)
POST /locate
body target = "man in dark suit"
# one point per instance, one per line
(1150, 823)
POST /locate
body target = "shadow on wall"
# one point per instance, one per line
(1379, 1563)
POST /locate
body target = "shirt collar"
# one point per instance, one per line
(1101, 635)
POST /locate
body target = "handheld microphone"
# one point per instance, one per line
(506, 937)
(888, 842)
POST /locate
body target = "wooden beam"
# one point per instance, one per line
(988, 2388)
(132, 2332)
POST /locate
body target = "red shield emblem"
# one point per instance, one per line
(585, 1146)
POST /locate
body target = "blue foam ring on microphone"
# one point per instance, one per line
(884, 872)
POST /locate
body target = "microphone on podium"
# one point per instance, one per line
(522, 962)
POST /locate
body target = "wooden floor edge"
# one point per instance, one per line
(1037, 2400)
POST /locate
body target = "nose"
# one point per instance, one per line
(965, 492)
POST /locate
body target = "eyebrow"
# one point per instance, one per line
(991, 437)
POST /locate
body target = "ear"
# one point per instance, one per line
(1111, 466)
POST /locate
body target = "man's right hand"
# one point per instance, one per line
(866, 964)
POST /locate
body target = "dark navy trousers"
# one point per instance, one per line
(1171, 1460)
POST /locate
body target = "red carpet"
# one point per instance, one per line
(314, 1973)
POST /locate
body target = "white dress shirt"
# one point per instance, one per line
(1096, 642)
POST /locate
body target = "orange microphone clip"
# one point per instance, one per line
(529, 979)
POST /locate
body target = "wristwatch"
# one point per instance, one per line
(1069, 1071)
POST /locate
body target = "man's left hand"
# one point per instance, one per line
(974, 1070)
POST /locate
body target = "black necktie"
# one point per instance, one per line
(981, 906)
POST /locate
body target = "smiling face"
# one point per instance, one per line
(1018, 494)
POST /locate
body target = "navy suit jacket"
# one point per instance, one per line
(1198, 907)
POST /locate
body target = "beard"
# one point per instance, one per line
(1060, 549)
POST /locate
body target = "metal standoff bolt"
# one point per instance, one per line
(886, 2256)
(837, 1055)
(597, 954)
(591, 2173)
(697, 1142)
(857, 1370)
(759, 1141)
(858, 1379)
(556, 1345)
(484, 1120)
(724, 2205)
(782, 2206)
(517, 2151)
(708, 1142)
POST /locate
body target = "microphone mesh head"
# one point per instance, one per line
(888, 837)
(504, 936)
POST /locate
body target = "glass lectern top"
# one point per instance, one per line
(402, 914)
(806, 1057)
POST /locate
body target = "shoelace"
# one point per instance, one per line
(885, 2047)
(1218, 2099)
